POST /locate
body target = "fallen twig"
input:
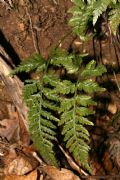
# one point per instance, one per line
(33, 35)
(72, 163)
(38, 158)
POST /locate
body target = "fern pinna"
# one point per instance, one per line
(61, 101)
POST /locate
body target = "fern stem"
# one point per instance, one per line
(31, 26)
(40, 107)
(41, 94)
(74, 107)
(62, 39)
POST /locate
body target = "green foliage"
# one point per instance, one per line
(114, 17)
(42, 122)
(34, 63)
(85, 13)
(61, 101)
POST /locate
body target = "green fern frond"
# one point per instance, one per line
(80, 19)
(86, 12)
(92, 70)
(42, 124)
(114, 18)
(75, 134)
(79, 3)
(99, 7)
(50, 94)
(65, 86)
(89, 86)
(74, 111)
(56, 101)
(85, 100)
(70, 62)
(33, 63)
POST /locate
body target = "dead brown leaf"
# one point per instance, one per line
(18, 166)
(14, 88)
(56, 174)
(112, 107)
(30, 176)
(8, 128)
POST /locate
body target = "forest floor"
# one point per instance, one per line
(26, 28)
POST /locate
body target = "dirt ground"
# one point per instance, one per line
(49, 25)
(39, 26)
(28, 27)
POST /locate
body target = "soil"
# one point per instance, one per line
(28, 27)
(39, 26)
(49, 25)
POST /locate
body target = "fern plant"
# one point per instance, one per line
(61, 101)
(85, 12)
